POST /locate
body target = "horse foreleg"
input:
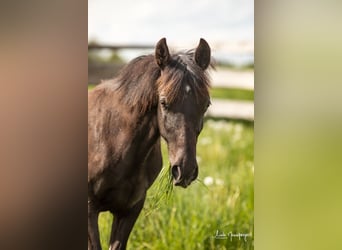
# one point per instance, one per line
(122, 227)
(93, 230)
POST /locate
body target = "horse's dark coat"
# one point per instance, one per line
(162, 95)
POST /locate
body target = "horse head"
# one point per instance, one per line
(183, 100)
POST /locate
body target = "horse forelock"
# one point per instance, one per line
(181, 76)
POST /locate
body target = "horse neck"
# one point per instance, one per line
(144, 132)
(142, 124)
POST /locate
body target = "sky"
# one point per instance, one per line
(182, 22)
(145, 21)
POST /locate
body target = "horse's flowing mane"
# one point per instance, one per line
(141, 82)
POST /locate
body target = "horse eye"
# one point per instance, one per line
(164, 104)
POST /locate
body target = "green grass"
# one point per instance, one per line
(189, 218)
(228, 93)
(223, 93)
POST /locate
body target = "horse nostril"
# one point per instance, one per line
(176, 173)
(194, 174)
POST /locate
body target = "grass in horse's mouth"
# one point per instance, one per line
(164, 187)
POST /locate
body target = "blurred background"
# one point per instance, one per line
(221, 202)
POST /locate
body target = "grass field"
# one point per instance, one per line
(220, 203)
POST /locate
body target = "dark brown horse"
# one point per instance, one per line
(156, 96)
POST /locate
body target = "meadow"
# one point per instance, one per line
(214, 212)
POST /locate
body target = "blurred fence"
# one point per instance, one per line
(231, 109)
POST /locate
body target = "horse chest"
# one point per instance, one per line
(120, 192)
(134, 163)
(135, 190)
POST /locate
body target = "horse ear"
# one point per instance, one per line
(162, 53)
(202, 54)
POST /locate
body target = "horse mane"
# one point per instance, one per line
(141, 82)
(136, 83)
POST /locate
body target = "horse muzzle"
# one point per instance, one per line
(180, 179)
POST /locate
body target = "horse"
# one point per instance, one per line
(154, 96)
